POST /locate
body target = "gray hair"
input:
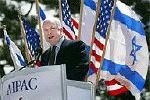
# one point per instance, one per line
(56, 21)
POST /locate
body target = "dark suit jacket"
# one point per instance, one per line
(73, 54)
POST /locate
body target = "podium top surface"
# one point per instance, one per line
(28, 70)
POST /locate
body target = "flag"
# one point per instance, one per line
(32, 37)
(70, 26)
(43, 17)
(114, 87)
(99, 39)
(15, 53)
(89, 13)
(126, 58)
(42, 14)
(88, 20)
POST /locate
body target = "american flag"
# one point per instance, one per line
(99, 45)
(32, 37)
(70, 26)
(114, 87)
(100, 35)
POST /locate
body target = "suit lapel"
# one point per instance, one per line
(59, 55)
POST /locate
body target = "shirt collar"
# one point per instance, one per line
(60, 42)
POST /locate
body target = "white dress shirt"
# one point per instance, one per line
(58, 47)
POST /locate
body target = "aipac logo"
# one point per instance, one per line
(21, 85)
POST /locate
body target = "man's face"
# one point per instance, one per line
(51, 32)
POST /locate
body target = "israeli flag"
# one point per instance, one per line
(15, 53)
(42, 14)
(126, 58)
(88, 20)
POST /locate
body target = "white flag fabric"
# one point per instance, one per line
(15, 53)
(88, 20)
(126, 58)
(43, 17)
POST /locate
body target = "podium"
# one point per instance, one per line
(44, 83)
(77, 90)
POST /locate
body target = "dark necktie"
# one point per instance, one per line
(52, 56)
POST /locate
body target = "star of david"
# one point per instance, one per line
(135, 48)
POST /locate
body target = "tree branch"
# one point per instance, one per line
(29, 9)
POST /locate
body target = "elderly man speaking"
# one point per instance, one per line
(63, 51)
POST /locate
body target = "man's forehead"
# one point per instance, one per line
(47, 22)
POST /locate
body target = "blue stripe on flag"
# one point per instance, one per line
(8, 40)
(42, 14)
(91, 71)
(91, 4)
(87, 49)
(125, 71)
(22, 62)
(129, 22)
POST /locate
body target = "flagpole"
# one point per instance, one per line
(39, 23)
(80, 22)
(60, 12)
(94, 28)
(106, 41)
(24, 38)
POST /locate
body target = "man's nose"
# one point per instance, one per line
(49, 31)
